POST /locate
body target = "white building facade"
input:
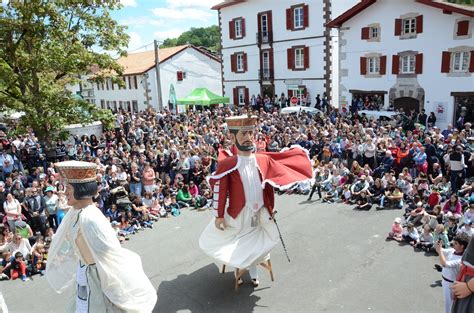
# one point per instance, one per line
(273, 47)
(182, 69)
(415, 54)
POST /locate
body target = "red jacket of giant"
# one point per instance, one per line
(277, 169)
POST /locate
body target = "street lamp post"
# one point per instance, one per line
(158, 76)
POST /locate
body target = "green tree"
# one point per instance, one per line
(44, 47)
(208, 37)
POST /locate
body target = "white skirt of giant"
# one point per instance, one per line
(240, 245)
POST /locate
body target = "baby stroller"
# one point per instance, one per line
(120, 197)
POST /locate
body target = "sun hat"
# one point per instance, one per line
(397, 220)
(49, 188)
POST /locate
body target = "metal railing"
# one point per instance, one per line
(265, 74)
(264, 37)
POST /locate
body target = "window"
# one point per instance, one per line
(102, 104)
(240, 62)
(408, 64)
(129, 82)
(238, 28)
(241, 95)
(374, 32)
(373, 65)
(98, 86)
(460, 61)
(299, 58)
(179, 75)
(135, 106)
(409, 26)
(264, 24)
(298, 93)
(135, 82)
(298, 18)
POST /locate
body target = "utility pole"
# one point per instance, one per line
(158, 76)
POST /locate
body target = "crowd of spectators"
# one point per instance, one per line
(153, 164)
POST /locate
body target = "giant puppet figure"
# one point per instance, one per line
(85, 252)
(243, 233)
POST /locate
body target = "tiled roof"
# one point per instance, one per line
(443, 5)
(140, 62)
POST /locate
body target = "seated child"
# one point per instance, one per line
(6, 257)
(17, 267)
(425, 242)
(38, 254)
(410, 234)
(362, 202)
(452, 228)
(440, 235)
(397, 230)
(417, 214)
(466, 228)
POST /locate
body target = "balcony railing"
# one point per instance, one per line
(264, 37)
(265, 74)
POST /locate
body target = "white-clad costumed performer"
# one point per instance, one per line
(242, 233)
(85, 251)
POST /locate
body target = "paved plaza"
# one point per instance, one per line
(340, 262)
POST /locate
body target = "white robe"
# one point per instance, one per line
(242, 244)
(117, 277)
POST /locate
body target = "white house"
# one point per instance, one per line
(415, 54)
(182, 68)
(271, 47)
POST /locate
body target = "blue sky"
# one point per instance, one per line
(160, 19)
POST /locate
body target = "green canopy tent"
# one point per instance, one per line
(202, 96)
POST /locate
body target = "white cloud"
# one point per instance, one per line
(141, 21)
(192, 3)
(129, 3)
(135, 42)
(183, 14)
(169, 33)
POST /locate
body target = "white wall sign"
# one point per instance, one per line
(441, 111)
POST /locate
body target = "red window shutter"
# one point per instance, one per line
(383, 64)
(419, 63)
(259, 22)
(236, 96)
(243, 27)
(395, 65)
(306, 57)
(463, 28)
(179, 75)
(269, 22)
(471, 65)
(364, 33)
(289, 54)
(290, 93)
(445, 62)
(231, 30)
(398, 27)
(289, 19)
(244, 59)
(233, 63)
(363, 66)
(419, 24)
(271, 59)
(305, 16)
(247, 98)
